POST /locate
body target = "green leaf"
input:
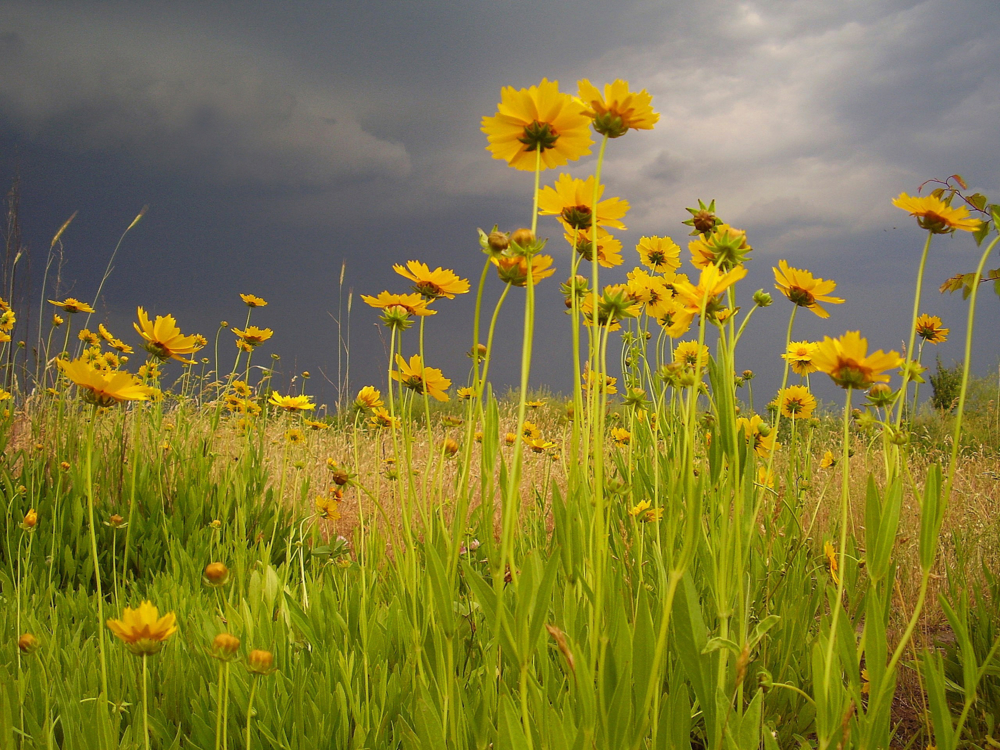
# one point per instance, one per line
(931, 516)
(944, 731)
(299, 619)
(443, 598)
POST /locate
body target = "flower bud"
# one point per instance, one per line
(216, 574)
(764, 680)
(224, 647)
(762, 298)
(260, 662)
(498, 241)
(523, 238)
(30, 520)
(764, 429)
(28, 643)
(116, 521)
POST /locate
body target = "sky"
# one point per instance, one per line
(277, 144)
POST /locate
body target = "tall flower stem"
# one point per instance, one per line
(93, 555)
(253, 694)
(597, 442)
(970, 325)
(784, 384)
(145, 703)
(913, 333)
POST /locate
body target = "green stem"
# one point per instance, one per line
(93, 555)
(145, 704)
(253, 694)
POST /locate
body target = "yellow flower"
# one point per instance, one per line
(930, 330)
(758, 433)
(292, 403)
(844, 360)
(369, 397)
(89, 337)
(253, 301)
(828, 460)
(72, 305)
(414, 304)
(534, 404)
(328, 508)
(440, 282)
(936, 216)
(537, 119)
(510, 438)
(260, 662)
(224, 647)
(831, 562)
(216, 574)
(803, 290)
(724, 247)
(112, 341)
(530, 430)
(421, 379)
(449, 447)
(661, 254)
(609, 250)
(381, 418)
(621, 436)
(295, 436)
(639, 508)
(537, 444)
(765, 477)
(514, 270)
(465, 393)
(104, 389)
(572, 201)
(796, 402)
(57, 321)
(712, 283)
(253, 336)
(649, 290)
(800, 357)
(164, 339)
(619, 109)
(592, 379)
(7, 320)
(143, 630)
(686, 354)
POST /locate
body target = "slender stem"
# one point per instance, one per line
(93, 554)
(253, 694)
(913, 331)
(145, 704)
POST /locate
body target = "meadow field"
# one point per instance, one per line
(195, 556)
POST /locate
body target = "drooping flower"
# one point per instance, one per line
(104, 389)
(803, 289)
(417, 377)
(143, 630)
(572, 200)
(846, 361)
(164, 339)
(292, 403)
(831, 562)
(800, 357)
(935, 215)
(513, 270)
(537, 119)
(723, 246)
(441, 282)
(661, 254)
(828, 461)
(796, 402)
(251, 300)
(930, 330)
(369, 397)
(618, 110)
(72, 305)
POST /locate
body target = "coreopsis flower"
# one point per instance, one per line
(723, 246)
(538, 119)
(260, 662)
(846, 361)
(57, 321)
(668, 313)
(538, 445)
(142, 630)
(510, 438)
(30, 520)
(935, 215)
(828, 461)
(530, 430)
(313, 425)
(765, 477)
(621, 436)
(72, 305)
(216, 574)
(930, 330)
(441, 282)
(369, 397)
(7, 321)
(413, 304)
(381, 418)
(465, 393)
(513, 270)
(639, 508)
(647, 289)
(535, 404)
(88, 337)
(711, 284)
(295, 436)
(251, 300)
(803, 290)
(609, 249)
(831, 562)
(415, 376)
(164, 339)
(757, 434)
(292, 403)
(604, 383)
(449, 447)
(113, 342)
(800, 357)
(103, 389)
(796, 402)
(881, 395)
(253, 336)
(618, 110)
(327, 508)
(224, 647)
(686, 354)
(572, 201)
(660, 254)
